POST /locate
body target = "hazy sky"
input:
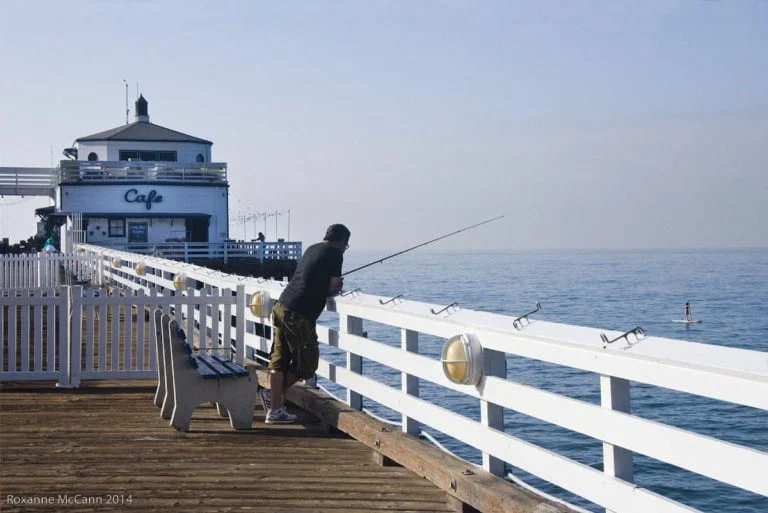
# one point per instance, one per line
(589, 124)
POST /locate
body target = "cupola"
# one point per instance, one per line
(142, 110)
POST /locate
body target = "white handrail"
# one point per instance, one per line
(735, 375)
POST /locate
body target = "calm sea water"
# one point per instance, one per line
(728, 289)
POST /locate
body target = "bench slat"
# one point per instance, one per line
(238, 370)
(202, 369)
(223, 371)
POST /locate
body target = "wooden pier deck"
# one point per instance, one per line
(97, 447)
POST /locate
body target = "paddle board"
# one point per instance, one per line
(687, 322)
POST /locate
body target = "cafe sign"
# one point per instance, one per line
(133, 196)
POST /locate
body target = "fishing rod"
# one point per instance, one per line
(381, 260)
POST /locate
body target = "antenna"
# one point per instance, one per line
(127, 110)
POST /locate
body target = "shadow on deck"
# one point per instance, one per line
(95, 448)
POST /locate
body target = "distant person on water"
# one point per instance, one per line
(687, 312)
(295, 352)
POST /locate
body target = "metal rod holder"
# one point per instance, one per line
(455, 303)
(517, 323)
(349, 292)
(638, 332)
(381, 301)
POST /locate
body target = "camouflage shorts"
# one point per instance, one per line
(294, 343)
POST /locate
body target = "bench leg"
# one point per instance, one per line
(182, 416)
(169, 404)
(240, 412)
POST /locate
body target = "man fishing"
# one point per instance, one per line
(295, 351)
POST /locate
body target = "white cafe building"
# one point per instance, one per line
(142, 183)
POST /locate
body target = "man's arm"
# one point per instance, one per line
(335, 285)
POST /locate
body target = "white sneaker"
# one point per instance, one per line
(279, 417)
(265, 395)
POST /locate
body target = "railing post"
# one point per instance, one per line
(226, 247)
(409, 341)
(492, 415)
(353, 326)
(39, 269)
(240, 327)
(76, 339)
(186, 252)
(614, 395)
(62, 318)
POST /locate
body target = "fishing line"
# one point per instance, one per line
(381, 260)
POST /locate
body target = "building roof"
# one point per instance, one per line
(143, 131)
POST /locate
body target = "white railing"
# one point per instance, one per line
(727, 374)
(122, 171)
(34, 327)
(27, 181)
(103, 336)
(46, 270)
(225, 251)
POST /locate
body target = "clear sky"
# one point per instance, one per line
(590, 124)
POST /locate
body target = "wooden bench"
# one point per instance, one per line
(187, 379)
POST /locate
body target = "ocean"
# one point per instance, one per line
(617, 290)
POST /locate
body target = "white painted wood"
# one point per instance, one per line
(65, 336)
(568, 474)
(24, 325)
(127, 336)
(666, 443)
(89, 335)
(723, 373)
(76, 346)
(37, 327)
(491, 414)
(240, 327)
(50, 345)
(115, 338)
(353, 325)
(2, 322)
(12, 335)
(409, 341)
(614, 395)
(140, 328)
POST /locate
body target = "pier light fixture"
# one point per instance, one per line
(462, 359)
(261, 304)
(179, 281)
(141, 269)
(117, 263)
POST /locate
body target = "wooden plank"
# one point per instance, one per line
(108, 439)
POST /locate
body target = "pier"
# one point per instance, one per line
(218, 308)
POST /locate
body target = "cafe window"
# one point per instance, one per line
(92, 156)
(129, 155)
(117, 227)
(148, 155)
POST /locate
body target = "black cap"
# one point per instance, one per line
(337, 232)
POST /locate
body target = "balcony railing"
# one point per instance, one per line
(225, 251)
(108, 171)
